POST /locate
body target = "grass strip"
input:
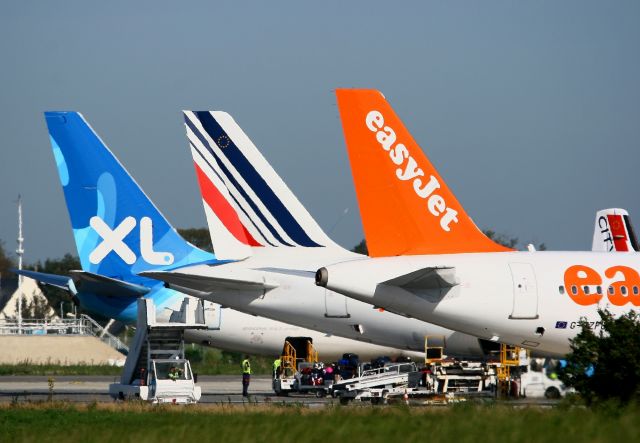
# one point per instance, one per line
(144, 423)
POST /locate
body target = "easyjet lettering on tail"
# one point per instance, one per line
(398, 154)
(406, 206)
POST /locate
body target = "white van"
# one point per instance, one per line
(540, 380)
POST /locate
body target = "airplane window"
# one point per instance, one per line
(635, 290)
(561, 289)
(599, 289)
(574, 290)
(623, 289)
(612, 290)
(586, 289)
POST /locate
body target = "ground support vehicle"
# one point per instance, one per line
(311, 379)
(156, 369)
(442, 381)
(378, 384)
(458, 377)
(299, 370)
(540, 380)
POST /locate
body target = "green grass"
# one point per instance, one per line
(211, 361)
(143, 423)
(204, 361)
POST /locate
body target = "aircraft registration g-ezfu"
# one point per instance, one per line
(430, 261)
(255, 219)
(119, 232)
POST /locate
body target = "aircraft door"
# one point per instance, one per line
(335, 305)
(525, 291)
(211, 313)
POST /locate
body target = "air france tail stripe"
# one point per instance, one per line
(235, 206)
(248, 217)
(254, 210)
(223, 209)
(234, 182)
(205, 163)
(277, 185)
(256, 182)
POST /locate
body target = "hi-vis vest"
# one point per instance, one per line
(246, 367)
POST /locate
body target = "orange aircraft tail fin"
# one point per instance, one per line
(406, 207)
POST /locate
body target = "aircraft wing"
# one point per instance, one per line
(426, 278)
(106, 286)
(59, 281)
(215, 279)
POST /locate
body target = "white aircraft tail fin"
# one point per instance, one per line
(247, 204)
(613, 232)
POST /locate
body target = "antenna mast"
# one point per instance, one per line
(20, 252)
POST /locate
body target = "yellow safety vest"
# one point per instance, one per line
(276, 364)
(246, 367)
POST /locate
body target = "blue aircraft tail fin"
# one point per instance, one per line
(118, 230)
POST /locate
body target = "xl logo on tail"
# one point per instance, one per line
(113, 240)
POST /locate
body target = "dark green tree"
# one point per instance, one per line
(59, 266)
(199, 237)
(605, 365)
(509, 242)
(5, 262)
(35, 309)
(361, 248)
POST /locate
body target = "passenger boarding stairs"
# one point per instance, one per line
(159, 340)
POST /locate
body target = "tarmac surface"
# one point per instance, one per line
(95, 388)
(216, 389)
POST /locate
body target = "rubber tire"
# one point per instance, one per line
(552, 393)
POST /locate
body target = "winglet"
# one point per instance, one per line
(406, 207)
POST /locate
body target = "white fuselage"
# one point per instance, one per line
(297, 300)
(531, 299)
(246, 333)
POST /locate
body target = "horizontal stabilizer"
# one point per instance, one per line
(216, 279)
(59, 281)
(426, 278)
(106, 286)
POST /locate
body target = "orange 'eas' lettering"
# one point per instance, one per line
(631, 279)
(576, 278)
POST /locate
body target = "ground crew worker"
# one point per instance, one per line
(173, 373)
(246, 376)
(276, 367)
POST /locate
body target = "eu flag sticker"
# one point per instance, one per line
(561, 325)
